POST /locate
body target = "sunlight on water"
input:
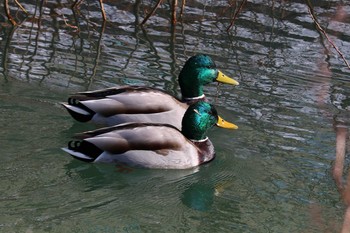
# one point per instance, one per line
(274, 174)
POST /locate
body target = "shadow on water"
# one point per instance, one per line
(277, 172)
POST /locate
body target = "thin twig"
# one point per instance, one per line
(174, 6)
(236, 14)
(77, 3)
(152, 12)
(98, 54)
(318, 26)
(20, 6)
(5, 53)
(182, 8)
(8, 14)
(68, 24)
(103, 11)
(230, 5)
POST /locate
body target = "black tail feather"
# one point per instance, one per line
(75, 114)
(86, 148)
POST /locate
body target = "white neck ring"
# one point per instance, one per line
(201, 140)
(194, 98)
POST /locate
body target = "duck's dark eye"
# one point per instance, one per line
(213, 111)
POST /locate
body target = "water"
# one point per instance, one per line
(274, 174)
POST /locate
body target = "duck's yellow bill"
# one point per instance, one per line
(225, 124)
(222, 78)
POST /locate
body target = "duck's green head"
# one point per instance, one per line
(200, 117)
(200, 70)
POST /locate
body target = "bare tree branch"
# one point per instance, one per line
(174, 6)
(8, 14)
(182, 8)
(320, 29)
(152, 12)
(77, 3)
(20, 6)
(236, 14)
(103, 11)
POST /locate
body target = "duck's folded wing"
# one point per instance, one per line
(152, 146)
(103, 93)
(128, 100)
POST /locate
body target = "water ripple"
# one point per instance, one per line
(294, 87)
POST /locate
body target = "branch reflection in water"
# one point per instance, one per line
(271, 45)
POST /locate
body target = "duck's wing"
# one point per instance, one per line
(118, 128)
(104, 104)
(103, 93)
(141, 145)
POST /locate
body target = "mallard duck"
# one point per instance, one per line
(142, 104)
(153, 145)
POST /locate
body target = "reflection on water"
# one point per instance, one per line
(274, 173)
